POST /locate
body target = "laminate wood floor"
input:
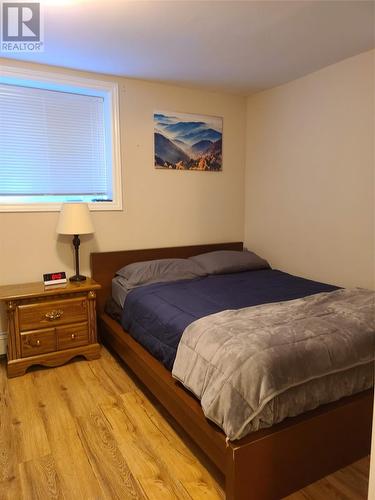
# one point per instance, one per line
(88, 430)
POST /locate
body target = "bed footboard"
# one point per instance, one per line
(278, 463)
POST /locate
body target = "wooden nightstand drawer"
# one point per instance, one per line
(52, 313)
(72, 335)
(38, 342)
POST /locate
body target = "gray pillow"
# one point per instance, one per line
(161, 270)
(229, 261)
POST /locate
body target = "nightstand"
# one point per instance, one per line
(49, 326)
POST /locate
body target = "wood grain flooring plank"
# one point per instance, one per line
(150, 470)
(9, 477)
(345, 484)
(76, 475)
(109, 465)
(184, 445)
(348, 485)
(39, 480)
(74, 390)
(28, 432)
(362, 468)
(102, 383)
(166, 444)
(113, 374)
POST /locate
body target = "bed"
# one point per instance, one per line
(266, 464)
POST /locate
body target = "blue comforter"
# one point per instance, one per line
(156, 315)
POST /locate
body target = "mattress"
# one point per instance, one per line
(156, 315)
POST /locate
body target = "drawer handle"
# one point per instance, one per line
(73, 336)
(37, 342)
(53, 315)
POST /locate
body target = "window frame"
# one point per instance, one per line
(109, 90)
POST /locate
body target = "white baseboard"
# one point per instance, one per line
(3, 343)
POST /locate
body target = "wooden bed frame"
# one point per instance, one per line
(268, 464)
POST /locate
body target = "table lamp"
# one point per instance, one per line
(75, 219)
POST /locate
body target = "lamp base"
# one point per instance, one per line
(77, 277)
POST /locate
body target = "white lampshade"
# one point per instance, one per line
(75, 219)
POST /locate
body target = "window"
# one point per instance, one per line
(59, 141)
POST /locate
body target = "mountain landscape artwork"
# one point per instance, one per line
(188, 142)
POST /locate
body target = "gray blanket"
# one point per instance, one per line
(253, 367)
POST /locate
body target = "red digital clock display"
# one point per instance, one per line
(54, 278)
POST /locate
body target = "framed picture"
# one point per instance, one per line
(184, 141)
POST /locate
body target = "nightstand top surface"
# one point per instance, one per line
(38, 289)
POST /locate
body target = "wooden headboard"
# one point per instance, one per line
(105, 264)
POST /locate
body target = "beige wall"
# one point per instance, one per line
(309, 188)
(161, 208)
(309, 191)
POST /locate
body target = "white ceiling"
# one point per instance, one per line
(233, 46)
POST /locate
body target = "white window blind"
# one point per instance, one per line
(53, 146)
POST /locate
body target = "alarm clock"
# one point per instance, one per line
(54, 278)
